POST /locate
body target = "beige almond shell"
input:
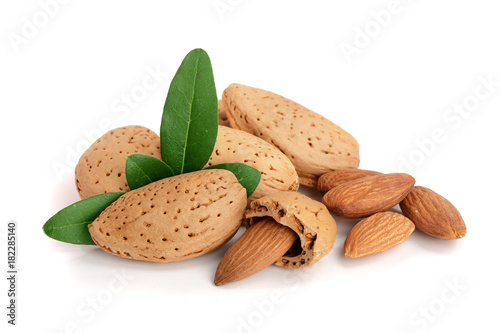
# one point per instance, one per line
(101, 167)
(314, 144)
(223, 120)
(173, 219)
(277, 172)
(308, 218)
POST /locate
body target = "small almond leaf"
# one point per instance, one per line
(143, 169)
(190, 116)
(247, 176)
(70, 224)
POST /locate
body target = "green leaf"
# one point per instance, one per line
(190, 116)
(70, 224)
(143, 169)
(248, 176)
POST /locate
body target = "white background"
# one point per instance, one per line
(64, 79)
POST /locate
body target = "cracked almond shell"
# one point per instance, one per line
(101, 168)
(314, 144)
(173, 219)
(277, 172)
(308, 218)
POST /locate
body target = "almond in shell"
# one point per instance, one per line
(277, 172)
(308, 218)
(173, 219)
(314, 144)
(101, 168)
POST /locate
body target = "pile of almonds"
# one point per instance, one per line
(188, 215)
(368, 194)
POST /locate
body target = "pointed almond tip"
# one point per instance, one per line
(463, 232)
(218, 281)
(459, 232)
(221, 280)
(223, 277)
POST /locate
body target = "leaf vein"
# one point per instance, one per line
(190, 113)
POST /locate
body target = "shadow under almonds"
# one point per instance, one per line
(435, 245)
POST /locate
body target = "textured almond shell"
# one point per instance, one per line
(314, 144)
(101, 167)
(173, 219)
(277, 172)
(223, 120)
(309, 218)
(376, 234)
(334, 178)
(366, 196)
(433, 214)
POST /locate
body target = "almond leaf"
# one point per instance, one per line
(70, 224)
(143, 169)
(247, 176)
(190, 116)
